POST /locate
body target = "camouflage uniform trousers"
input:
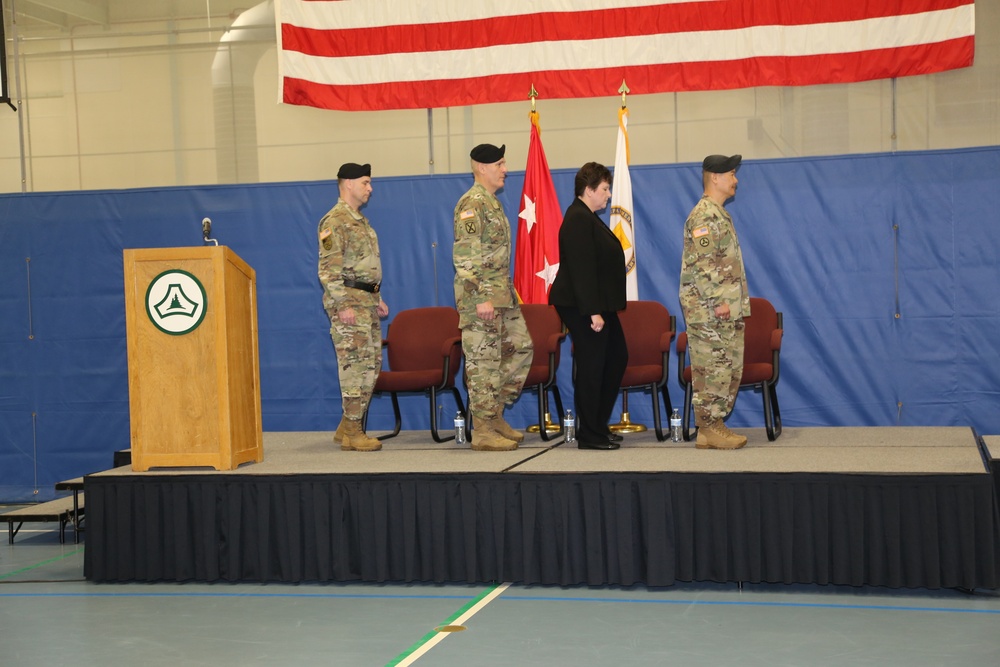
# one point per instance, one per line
(498, 356)
(359, 358)
(716, 367)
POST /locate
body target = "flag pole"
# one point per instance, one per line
(550, 426)
(625, 424)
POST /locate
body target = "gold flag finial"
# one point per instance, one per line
(533, 115)
(624, 91)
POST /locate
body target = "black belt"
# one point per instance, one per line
(367, 287)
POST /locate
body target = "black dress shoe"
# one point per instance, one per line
(596, 444)
(614, 437)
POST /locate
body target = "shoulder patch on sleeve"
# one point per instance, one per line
(467, 214)
(699, 232)
(325, 233)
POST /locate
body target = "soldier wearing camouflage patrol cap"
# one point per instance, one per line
(350, 271)
(495, 339)
(714, 300)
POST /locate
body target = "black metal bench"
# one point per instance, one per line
(76, 486)
(64, 510)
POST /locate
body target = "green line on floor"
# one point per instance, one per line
(37, 565)
(435, 634)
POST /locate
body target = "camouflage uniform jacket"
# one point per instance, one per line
(348, 249)
(712, 271)
(481, 254)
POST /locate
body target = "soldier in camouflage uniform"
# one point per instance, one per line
(495, 339)
(714, 299)
(350, 272)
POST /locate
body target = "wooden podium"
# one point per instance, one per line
(193, 366)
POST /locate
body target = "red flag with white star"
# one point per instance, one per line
(536, 258)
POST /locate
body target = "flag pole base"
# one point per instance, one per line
(625, 425)
(550, 427)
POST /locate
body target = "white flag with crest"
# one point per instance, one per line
(621, 222)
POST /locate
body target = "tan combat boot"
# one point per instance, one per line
(338, 437)
(501, 426)
(710, 436)
(356, 439)
(485, 438)
(742, 439)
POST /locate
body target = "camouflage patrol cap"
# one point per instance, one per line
(720, 164)
(350, 170)
(488, 153)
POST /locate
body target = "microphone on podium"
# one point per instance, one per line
(206, 231)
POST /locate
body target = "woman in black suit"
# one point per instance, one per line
(588, 292)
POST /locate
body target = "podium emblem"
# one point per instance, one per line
(176, 302)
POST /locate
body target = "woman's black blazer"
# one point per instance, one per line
(591, 274)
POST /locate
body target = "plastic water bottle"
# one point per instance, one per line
(459, 428)
(675, 426)
(569, 426)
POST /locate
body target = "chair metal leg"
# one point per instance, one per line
(776, 409)
(772, 415)
(434, 428)
(545, 427)
(686, 417)
(559, 407)
(395, 413)
(460, 403)
(543, 410)
(657, 422)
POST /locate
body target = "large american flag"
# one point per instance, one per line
(410, 54)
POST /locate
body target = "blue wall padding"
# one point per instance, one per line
(822, 238)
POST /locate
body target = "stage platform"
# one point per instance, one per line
(895, 506)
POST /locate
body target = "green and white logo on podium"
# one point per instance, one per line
(176, 302)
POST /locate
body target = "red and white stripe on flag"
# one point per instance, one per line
(536, 257)
(390, 54)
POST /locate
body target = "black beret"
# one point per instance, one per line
(487, 153)
(351, 170)
(720, 164)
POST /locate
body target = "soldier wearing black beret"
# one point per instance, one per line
(495, 339)
(487, 153)
(350, 271)
(714, 299)
(720, 164)
(351, 170)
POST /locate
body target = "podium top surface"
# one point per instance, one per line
(225, 253)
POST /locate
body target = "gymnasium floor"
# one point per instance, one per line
(50, 615)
